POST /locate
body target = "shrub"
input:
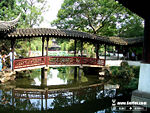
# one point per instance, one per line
(127, 75)
(124, 72)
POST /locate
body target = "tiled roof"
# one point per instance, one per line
(47, 32)
(134, 41)
(39, 32)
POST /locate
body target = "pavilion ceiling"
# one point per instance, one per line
(57, 33)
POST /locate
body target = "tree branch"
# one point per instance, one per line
(103, 23)
(90, 24)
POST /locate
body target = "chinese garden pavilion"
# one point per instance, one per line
(8, 31)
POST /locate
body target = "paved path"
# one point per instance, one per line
(118, 62)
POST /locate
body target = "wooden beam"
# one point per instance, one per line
(75, 73)
(75, 47)
(118, 52)
(29, 53)
(42, 69)
(105, 51)
(146, 46)
(81, 50)
(97, 51)
(47, 39)
(43, 40)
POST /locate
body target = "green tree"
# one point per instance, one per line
(101, 17)
(132, 27)
(31, 16)
(8, 9)
(95, 16)
(30, 10)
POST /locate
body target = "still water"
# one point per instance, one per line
(61, 92)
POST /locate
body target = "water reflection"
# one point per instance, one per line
(59, 76)
(64, 90)
(52, 78)
(51, 99)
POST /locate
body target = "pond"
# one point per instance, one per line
(61, 92)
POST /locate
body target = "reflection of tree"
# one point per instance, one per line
(8, 101)
(81, 101)
(28, 78)
(35, 73)
(84, 99)
(77, 96)
(67, 74)
(61, 101)
(5, 97)
(23, 82)
(23, 104)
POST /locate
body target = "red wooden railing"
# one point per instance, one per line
(56, 60)
(29, 62)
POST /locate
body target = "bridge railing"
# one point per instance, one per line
(29, 62)
(56, 60)
(59, 60)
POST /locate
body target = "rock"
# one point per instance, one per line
(3, 80)
(106, 72)
(6, 76)
(101, 73)
(12, 77)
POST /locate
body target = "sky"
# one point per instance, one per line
(51, 14)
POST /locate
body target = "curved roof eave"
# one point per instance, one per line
(8, 25)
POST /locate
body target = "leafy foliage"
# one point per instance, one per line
(8, 10)
(101, 17)
(132, 27)
(31, 11)
(98, 16)
(128, 76)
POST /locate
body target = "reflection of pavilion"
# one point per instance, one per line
(78, 96)
(52, 93)
(49, 99)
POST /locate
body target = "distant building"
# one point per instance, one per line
(55, 46)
